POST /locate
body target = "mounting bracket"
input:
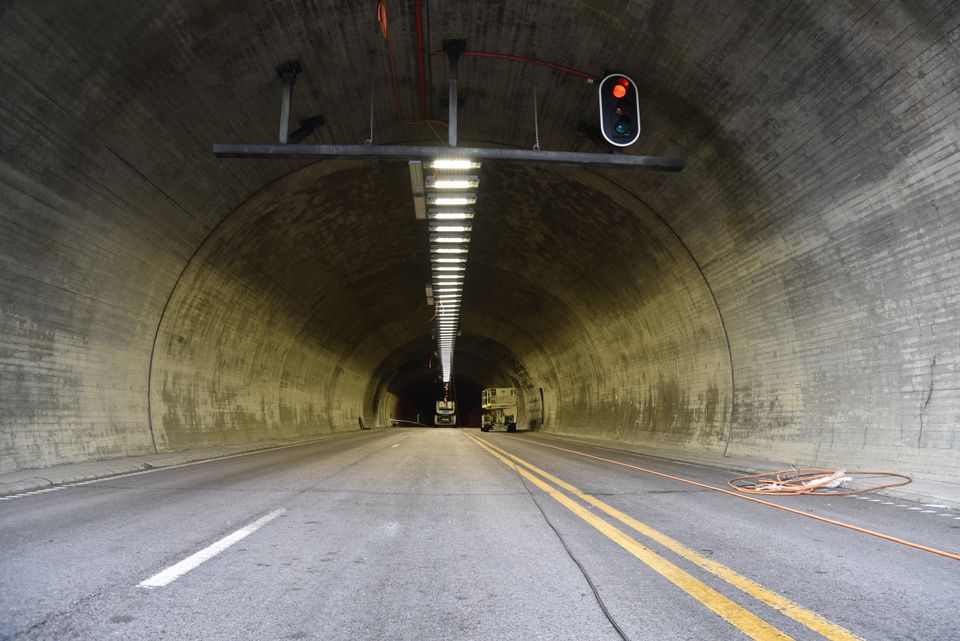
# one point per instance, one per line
(453, 49)
(288, 76)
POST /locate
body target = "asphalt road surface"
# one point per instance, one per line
(453, 534)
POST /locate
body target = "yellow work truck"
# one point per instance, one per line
(499, 409)
(446, 413)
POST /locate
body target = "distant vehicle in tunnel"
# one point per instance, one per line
(499, 409)
(446, 413)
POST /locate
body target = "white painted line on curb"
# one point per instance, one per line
(177, 570)
(162, 468)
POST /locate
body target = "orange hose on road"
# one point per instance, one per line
(808, 480)
(849, 526)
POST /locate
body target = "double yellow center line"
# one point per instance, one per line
(747, 622)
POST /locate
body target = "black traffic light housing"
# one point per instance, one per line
(619, 110)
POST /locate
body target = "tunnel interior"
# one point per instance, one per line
(792, 295)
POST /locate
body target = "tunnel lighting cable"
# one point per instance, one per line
(808, 618)
(563, 542)
(843, 524)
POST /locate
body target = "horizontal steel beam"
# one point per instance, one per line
(404, 152)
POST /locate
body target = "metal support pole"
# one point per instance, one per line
(288, 75)
(453, 49)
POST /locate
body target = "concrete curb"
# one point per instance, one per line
(28, 481)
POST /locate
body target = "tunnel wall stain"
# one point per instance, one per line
(632, 335)
(249, 348)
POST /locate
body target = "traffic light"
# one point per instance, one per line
(619, 110)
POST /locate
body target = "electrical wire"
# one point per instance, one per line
(573, 557)
(810, 480)
(421, 72)
(383, 22)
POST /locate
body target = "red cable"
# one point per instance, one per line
(527, 59)
(421, 67)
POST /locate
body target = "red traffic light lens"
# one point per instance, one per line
(619, 91)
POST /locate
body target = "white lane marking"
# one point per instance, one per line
(32, 492)
(928, 511)
(177, 570)
(941, 514)
(874, 500)
(887, 503)
(913, 508)
(395, 445)
(942, 507)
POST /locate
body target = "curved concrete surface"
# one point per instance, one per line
(792, 295)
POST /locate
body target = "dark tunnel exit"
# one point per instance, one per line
(418, 398)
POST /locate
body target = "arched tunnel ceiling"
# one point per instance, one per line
(789, 294)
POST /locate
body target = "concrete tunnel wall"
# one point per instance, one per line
(792, 295)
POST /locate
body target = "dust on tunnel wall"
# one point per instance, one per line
(603, 306)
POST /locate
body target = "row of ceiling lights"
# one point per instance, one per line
(445, 199)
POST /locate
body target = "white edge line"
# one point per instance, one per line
(161, 468)
(177, 570)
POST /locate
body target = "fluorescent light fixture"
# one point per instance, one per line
(449, 268)
(450, 229)
(447, 290)
(451, 215)
(437, 259)
(449, 276)
(449, 239)
(452, 200)
(458, 182)
(454, 163)
(449, 250)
